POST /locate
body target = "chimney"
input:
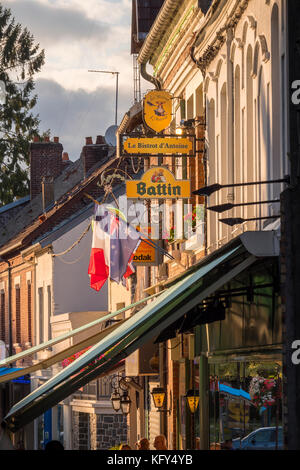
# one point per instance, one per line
(45, 161)
(47, 191)
(93, 153)
(100, 140)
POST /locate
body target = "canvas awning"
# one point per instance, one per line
(145, 325)
(7, 374)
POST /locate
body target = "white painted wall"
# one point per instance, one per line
(71, 282)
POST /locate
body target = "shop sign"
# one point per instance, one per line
(157, 110)
(158, 183)
(149, 146)
(145, 254)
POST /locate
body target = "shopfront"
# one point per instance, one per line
(244, 363)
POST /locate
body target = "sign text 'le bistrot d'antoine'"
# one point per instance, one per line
(158, 183)
(166, 145)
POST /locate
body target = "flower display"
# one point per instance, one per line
(195, 216)
(264, 392)
(169, 236)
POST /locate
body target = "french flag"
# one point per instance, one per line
(113, 246)
(100, 257)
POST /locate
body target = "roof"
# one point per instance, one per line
(14, 204)
(69, 188)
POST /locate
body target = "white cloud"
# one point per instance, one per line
(75, 114)
(78, 36)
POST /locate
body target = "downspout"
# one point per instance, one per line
(9, 305)
(162, 21)
(149, 78)
(9, 385)
(230, 120)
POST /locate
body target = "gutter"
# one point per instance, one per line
(161, 22)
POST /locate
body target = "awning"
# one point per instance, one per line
(7, 374)
(138, 329)
(70, 334)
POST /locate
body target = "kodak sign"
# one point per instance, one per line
(158, 183)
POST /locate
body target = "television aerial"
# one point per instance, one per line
(110, 135)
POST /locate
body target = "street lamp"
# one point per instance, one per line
(121, 384)
(209, 190)
(115, 400)
(192, 397)
(125, 403)
(159, 395)
(117, 88)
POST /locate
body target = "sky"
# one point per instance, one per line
(79, 35)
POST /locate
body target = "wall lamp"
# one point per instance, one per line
(209, 190)
(237, 220)
(192, 398)
(227, 207)
(159, 395)
(119, 397)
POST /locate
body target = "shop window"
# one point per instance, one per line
(41, 314)
(242, 415)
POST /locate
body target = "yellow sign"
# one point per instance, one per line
(145, 254)
(158, 145)
(158, 183)
(158, 110)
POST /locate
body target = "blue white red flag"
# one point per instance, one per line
(114, 242)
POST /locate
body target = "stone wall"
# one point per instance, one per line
(98, 431)
(111, 430)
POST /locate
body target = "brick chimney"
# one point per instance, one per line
(45, 161)
(93, 153)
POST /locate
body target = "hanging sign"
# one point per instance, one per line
(149, 146)
(145, 255)
(157, 110)
(158, 183)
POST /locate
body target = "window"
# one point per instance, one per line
(49, 311)
(41, 314)
(2, 316)
(29, 312)
(18, 315)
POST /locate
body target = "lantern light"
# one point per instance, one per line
(116, 400)
(125, 403)
(158, 395)
(179, 131)
(192, 397)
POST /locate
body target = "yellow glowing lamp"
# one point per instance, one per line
(192, 397)
(179, 131)
(158, 395)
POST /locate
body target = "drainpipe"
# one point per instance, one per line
(9, 385)
(149, 78)
(230, 120)
(9, 304)
(160, 24)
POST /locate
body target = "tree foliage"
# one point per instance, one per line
(20, 59)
